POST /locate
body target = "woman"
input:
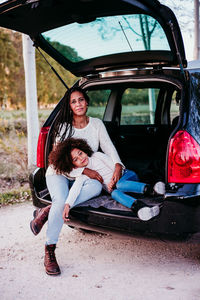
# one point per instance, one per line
(72, 121)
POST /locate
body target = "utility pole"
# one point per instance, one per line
(31, 98)
(196, 31)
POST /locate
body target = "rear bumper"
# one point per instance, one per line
(176, 221)
(40, 194)
(179, 217)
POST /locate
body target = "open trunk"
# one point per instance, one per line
(139, 131)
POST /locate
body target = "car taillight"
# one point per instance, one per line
(184, 159)
(41, 146)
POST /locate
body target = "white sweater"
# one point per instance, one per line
(99, 162)
(96, 136)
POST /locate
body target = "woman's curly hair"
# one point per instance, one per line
(60, 156)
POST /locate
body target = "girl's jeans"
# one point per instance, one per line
(58, 187)
(129, 182)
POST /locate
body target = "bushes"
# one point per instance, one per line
(17, 127)
(14, 196)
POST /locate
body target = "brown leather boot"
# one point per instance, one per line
(50, 262)
(40, 218)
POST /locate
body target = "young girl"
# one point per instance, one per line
(72, 154)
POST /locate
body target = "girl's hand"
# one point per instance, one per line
(66, 212)
(110, 186)
(93, 174)
(115, 178)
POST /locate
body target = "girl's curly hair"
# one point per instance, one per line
(60, 156)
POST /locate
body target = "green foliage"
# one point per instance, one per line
(49, 87)
(14, 196)
(12, 84)
(98, 97)
(137, 96)
(66, 51)
(9, 67)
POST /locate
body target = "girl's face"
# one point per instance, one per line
(79, 158)
(78, 104)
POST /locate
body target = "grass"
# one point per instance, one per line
(14, 196)
(21, 114)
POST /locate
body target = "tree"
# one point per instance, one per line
(9, 69)
(66, 51)
(147, 27)
(49, 87)
(142, 27)
(12, 81)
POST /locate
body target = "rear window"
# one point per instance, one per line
(138, 106)
(108, 35)
(175, 108)
(98, 102)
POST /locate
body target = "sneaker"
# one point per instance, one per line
(159, 188)
(146, 213)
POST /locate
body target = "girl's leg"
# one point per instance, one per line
(144, 212)
(129, 182)
(58, 187)
(129, 175)
(122, 198)
(91, 188)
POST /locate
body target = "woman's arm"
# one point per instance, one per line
(92, 174)
(107, 145)
(85, 171)
(108, 148)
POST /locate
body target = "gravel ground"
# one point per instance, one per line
(93, 266)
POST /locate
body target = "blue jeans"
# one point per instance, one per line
(129, 182)
(58, 187)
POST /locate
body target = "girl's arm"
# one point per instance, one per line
(73, 194)
(117, 173)
(115, 178)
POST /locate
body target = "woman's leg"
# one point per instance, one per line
(129, 182)
(90, 189)
(58, 187)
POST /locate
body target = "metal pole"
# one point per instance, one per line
(196, 31)
(31, 99)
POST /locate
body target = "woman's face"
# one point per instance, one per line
(79, 158)
(78, 104)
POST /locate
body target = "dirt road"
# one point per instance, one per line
(93, 266)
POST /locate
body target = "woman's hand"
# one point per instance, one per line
(115, 178)
(66, 212)
(93, 174)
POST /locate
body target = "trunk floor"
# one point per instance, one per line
(107, 202)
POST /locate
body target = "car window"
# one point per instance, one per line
(138, 106)
(174, 108)
(106, 36)
(98, 102)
